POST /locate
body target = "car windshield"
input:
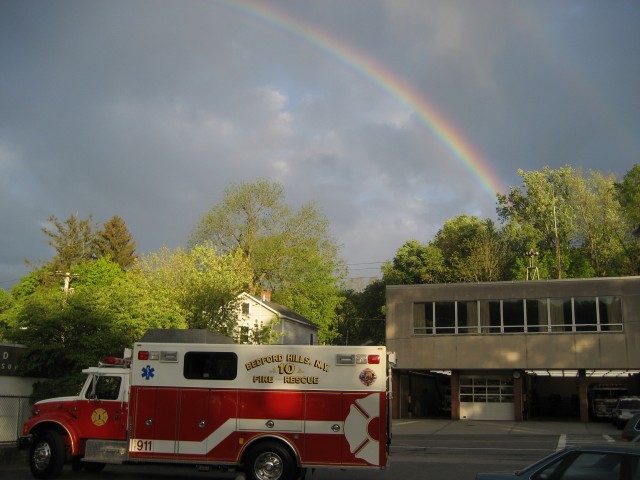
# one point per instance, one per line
(541, 461)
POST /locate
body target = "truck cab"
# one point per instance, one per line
(58, 429)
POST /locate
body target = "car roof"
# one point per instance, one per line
(628, 448)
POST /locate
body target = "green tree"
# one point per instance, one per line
(64, 333)
(415, 263)
(114, 241)
(628, 194)
(291, 252)
(201, 282)
(362, 318)
(472, 250)
(540, 208)
(72, 239)
(598, 221)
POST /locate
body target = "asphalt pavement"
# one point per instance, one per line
(430, 426)
(408, 428)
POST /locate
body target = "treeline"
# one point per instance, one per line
(97, 295)
(562, 223)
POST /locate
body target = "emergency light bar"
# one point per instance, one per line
(116, 362)
(357, 359)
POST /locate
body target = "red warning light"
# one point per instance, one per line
(143, 355)
(373, 359)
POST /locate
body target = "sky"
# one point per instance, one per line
(391, 116)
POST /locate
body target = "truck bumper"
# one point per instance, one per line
(24, 442)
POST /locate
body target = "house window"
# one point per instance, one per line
(245, 308)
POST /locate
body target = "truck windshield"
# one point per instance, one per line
(104, 387)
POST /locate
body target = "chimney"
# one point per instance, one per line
(265, 295)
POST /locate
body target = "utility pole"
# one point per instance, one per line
(67, 281)
(555, 228)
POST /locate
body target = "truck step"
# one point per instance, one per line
(106, 451)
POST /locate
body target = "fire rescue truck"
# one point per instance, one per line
(272, 411)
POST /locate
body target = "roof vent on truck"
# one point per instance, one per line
(176, 335)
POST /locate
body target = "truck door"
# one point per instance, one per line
(102, 412)
(194, 422)
(154, 422)
(324, 428)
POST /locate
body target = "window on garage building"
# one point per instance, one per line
(445, 317)
(490, 317)
(468, 316)
(561, 314)
(537, 315)
(486, 389)
(513, 316)
(423, 318)
(610, 314)
(585, 314)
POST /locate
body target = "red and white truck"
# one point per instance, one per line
(272, 411)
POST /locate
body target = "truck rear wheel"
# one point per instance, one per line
(270, 461)
(47, 455)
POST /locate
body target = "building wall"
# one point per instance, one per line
(552, 350)
(291, 332)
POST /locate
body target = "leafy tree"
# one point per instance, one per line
(362, 317)
(201, 282)
(628, 192)
(115, 241)
(64, 333)
(598, 221)
(415, 263)
(100, 272)
(472, 250)
(291, 252)
(73, 240)
(540, 207)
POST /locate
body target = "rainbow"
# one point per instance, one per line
(388, 81)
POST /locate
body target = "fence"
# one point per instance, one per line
(14, 410)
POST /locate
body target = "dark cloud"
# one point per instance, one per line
(150, 109)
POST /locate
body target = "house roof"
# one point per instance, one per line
(283, 312)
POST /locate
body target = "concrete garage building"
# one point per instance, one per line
(513, 350)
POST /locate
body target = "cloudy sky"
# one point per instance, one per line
(391, 115)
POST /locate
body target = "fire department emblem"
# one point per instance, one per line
(367, 377)
(99, 417)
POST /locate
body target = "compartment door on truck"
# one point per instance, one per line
(154, 422)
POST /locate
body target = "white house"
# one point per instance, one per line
(292, 328)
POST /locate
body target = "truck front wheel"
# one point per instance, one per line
(270, 461)
(47, 454)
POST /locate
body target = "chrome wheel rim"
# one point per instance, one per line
(41, 455)
(268, 466)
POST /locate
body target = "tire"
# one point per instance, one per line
(270, 461)
(93, 467)
(47, 455)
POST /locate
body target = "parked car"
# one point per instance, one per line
(584, 462)
(631, 430)
(626, 408)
